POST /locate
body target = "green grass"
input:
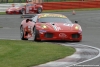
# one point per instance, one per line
(14, 53)
(2, 13)
(1, 27)
(64, 10)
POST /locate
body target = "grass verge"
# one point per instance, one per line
(1, 27)
(2, 13)
(65, 10)
(14, 53)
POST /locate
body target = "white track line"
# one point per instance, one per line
(88, 59)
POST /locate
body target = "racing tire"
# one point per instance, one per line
(22, 34)
(23, 11)
(35, 35)
(39, 10)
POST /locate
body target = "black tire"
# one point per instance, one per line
(22, 34)
(23, 11)
(35, 35)
(20, 11)
(39, 10)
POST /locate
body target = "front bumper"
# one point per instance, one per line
(68, 36)
(12, 12)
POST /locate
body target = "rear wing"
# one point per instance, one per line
(28, 15)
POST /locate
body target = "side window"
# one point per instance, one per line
(31, 4)
(28, 5)
(34, 19)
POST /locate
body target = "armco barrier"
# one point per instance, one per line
(70, 5)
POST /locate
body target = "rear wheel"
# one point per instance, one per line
(39, 10)
(22, 34)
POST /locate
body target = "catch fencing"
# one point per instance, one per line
(71, 5)
(21, 1)
(61, 4)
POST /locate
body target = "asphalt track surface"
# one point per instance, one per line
(89, 20)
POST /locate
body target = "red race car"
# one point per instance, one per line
(24, 8)
(48, 26)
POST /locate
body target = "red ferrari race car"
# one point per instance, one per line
(48, 26)
(24, 8)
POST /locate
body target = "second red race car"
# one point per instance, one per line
(48, 26)
(25, 8)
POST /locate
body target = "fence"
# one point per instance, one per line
(47, 5)
(59, 0)
(70, 5)
(21, 1)
(66, 0)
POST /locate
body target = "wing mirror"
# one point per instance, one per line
(76, 21)
(27, 20)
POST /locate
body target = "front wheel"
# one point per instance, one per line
(23, 11)
(35, 35)
(39, 10)
(22, 34)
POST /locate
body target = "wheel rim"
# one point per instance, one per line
(39, 10)
(34, 35)
(23, 11)
(21, 33)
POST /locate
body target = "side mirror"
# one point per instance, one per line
(27, 20)
(76, 21)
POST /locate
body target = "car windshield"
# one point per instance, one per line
(54, 19)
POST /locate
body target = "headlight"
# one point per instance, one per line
(44, 26)
(78, 28)
(17, 8)
(10, 10)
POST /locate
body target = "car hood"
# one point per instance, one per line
(12, 8)
(58, 26)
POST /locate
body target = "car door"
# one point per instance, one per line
(29, 8)
(31, 24)
(34, 7)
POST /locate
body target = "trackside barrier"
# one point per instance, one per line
(70, 5)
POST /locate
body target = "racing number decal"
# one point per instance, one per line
(33, 7)
(70, 25)
(58, 28)
(30, 8)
